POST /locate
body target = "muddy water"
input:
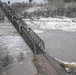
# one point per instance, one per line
(60, 44)
(13, 44)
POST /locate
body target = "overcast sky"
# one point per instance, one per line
(20, 0)
(14, 0)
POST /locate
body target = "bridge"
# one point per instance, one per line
(45, 64)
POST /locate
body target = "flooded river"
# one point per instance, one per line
(60, 44)
(12, 43)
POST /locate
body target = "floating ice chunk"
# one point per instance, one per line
(21, 62)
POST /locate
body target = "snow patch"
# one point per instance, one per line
(33, 9)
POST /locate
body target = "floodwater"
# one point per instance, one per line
(13, 44)
(59, 44)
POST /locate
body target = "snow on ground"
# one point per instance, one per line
(33, 9)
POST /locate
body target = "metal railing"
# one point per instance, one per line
(30, 37)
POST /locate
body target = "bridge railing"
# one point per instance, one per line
(31, 38)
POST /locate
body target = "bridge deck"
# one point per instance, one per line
(50, 67)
